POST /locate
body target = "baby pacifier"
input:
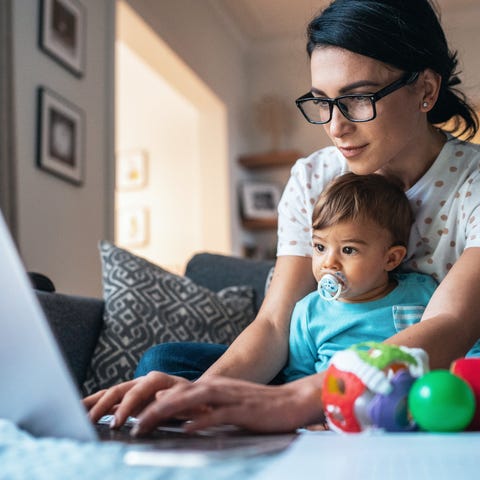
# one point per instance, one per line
(330, 286)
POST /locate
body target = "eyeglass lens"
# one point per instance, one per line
(359, 108)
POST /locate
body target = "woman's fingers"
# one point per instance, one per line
(228, 401)
(103, 402)
(143, 393)
(128, 398)
(177, 402)
(215, 402)
(91, 400)
(158, 397)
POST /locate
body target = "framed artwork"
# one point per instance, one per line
(132, 170)
(60, 137)
(259, 200)
(62, 33)
(133, 226)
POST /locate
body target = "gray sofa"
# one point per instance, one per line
(77, 321)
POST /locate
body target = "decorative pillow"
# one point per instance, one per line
(146, 305)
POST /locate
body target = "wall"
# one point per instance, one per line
(286, 61)
(199, 36)
(61, 224)
(463, 34)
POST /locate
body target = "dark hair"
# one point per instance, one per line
(365, 197)
(405, 34)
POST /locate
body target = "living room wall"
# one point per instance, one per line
(60, 223)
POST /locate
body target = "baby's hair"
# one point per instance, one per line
(365, 197)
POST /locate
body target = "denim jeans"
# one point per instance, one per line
(184, 359)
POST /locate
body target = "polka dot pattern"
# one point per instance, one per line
(446, 201)
(308, 176)
(445, 228)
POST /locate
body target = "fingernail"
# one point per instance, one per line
(113, 422)
(135, 430)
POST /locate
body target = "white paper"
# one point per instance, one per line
(382, 456)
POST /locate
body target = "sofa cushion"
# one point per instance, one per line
(215, 272)
(146, 305)
(76, 323)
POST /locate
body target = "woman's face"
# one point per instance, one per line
(392, 139)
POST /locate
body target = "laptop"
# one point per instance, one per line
(40, 396)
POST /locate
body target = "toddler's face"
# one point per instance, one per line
(358, 251)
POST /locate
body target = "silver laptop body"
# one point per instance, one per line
(37, 391)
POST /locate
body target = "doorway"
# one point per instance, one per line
(171, 196)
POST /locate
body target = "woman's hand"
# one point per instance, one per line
(221, 400)
(129, 398)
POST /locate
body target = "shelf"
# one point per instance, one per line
(260, 224)
(277, 158)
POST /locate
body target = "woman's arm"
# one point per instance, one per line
(258, 354)
(261, 350)
(451, 322)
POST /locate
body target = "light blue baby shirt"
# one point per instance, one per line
(319, 328)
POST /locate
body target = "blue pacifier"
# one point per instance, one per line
(330, 287)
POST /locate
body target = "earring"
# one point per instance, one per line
(425, 104)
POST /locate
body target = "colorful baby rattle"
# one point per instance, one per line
(378, 386)
(367, 385)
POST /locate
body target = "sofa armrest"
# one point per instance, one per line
(216, 272)
(76, 323)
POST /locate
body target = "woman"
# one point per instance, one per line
(382, 77)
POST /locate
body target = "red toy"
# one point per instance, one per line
(366, 386)
(469, 370)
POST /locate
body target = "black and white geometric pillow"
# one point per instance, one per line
(146, 305)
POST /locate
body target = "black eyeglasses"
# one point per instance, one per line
(355, 107)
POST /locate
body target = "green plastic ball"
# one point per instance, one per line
(439, 401)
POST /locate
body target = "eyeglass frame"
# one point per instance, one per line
(406, 79)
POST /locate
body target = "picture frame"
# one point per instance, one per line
(133, 226)
(259, 200)
(62, 33)
(132, 170)
(60, 137)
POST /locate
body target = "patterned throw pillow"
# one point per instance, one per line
(146, 305)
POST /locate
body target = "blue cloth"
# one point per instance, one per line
(184, 359)
(25, 457)
(319, 328)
